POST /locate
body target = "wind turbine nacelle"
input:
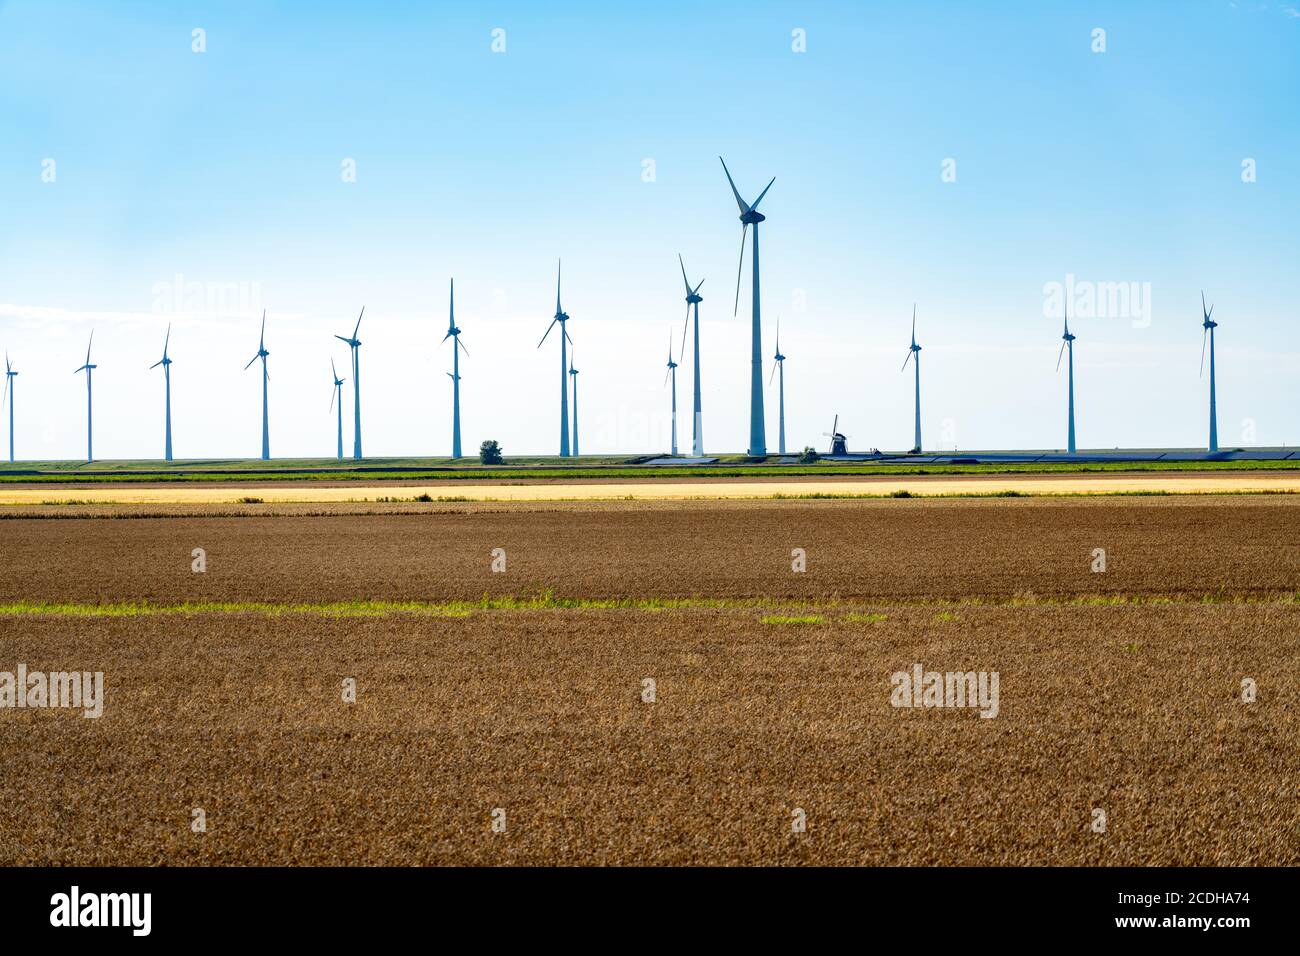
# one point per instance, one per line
(752, 218)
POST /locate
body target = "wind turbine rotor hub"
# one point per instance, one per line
(752, 218)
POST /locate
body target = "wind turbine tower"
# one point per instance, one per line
(779, 368)
(262, 353)
(750, 216)
(672, 371)
(354, 344)
(90, 421)
(337, 393)
(166, 364)
(453, 333)
(914, 354)
(1209, 325)
(693, 298)
(10, 374)
(561, 316)
(1067, 342)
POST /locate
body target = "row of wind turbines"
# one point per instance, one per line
(749, 216)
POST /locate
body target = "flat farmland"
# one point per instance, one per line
(1134, 711)
(919, 549)
(524, 691)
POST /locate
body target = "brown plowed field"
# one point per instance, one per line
(1134, 709)
(893, 549)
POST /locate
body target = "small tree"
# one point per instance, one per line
(809, 455)
(489, 453)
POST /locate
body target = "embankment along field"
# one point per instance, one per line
(657, 682)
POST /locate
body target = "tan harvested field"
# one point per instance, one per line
(663, 489)
(1134, 711)
(1119, 691)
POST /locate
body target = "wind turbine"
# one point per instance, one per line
(166, 364)
(672, 370)
(9, 394)
(337, 393)
(750, 216)
(1067, 341)
(354, 344)
(693, 298)
(561, 316)
(453, 333)
(262, 353)
(573, 373)
(88, 368)
(780, 364)
(914, 354)
(1209, 325)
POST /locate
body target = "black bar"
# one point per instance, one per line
(654, 907)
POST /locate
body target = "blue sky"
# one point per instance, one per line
(224, 167)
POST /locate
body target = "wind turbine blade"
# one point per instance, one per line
(913, 323)
(773, 374)
(1059, 356)
(1204, 314)
(250, 362)
(462, 345)
(156, 364)
(558, 264)
(167, 339)
(685, 281)
(342, 339)
(686, 326)
(334, 371)
(696, 290)
(909, 355)
(89, 344)
(763, 193)
(744, 232)
(332, 392)
(358, 328)
(568, 336)
(451, 314)
(666, 374)
(261, 337)
(1204, 334)
(548, 332)
(734, 191)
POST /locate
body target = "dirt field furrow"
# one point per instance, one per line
(907, 550)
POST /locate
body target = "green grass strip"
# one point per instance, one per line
(849, 611)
